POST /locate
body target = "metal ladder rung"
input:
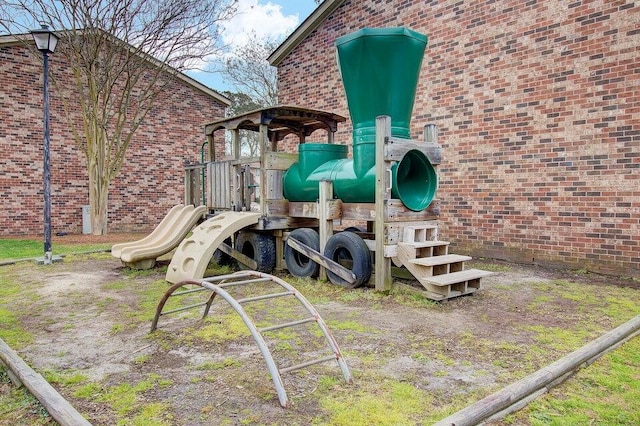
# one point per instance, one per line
(308, 363)
(231, 284)
(287, 324)
(248, 277)
(224, 277)
(193, 290)
(184, 308)
(265, 296)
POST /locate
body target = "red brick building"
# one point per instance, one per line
(538, 108)
(150, 182)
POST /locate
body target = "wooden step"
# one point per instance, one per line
(423, 244)
(456, 277)
(420, 249)
(420, 233)
(440, 260)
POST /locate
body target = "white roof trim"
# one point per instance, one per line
(12, 40)
(311, 23)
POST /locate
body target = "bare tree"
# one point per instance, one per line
(255, 81)
(248, 70)
(122, 54)
(241, 103)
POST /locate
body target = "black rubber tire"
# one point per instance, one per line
(297, 263)
(259, 247)
(221, 258)
(349, 246)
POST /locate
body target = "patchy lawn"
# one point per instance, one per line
(84, 324)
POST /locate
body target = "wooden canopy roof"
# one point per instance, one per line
(280, 120)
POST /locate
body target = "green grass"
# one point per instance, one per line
(67, 378)
(559, 338)
(18, 406)
(374, 398)
(227, 362)
(389, 402)
(13, 297)
(220, 328)
(605, 393)
(144, 310)
(11, 249)
(126, 399)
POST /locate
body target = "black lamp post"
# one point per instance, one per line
(46, 42)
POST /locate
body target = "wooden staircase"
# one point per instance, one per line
(443, 275)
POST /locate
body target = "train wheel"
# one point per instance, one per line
(259, 247)
(297, 263)
(348, 248)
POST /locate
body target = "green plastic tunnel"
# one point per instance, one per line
(380, 68)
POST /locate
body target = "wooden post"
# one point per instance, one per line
(279, 236)
(207, 185)
(264, 147)
(192, 185)
(383, 187)
(325, 224)
(246, 183)
(235, 143)
(235, 171)
(187, 186)
(51, 400)
(196, 187)
(543, 379)
(211, 147)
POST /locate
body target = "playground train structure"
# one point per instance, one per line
(278, 210)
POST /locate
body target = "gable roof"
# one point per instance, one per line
(312, 22)
(21, 39)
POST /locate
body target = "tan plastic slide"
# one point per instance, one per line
(194, 253)
(142, 254)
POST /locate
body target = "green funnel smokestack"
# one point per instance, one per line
(380, 68)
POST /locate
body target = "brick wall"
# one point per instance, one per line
(538, 107)
(151, 181)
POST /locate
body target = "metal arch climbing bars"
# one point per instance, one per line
(251, 277)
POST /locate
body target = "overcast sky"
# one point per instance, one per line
(268, 18)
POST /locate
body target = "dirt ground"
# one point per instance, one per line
(91, 316)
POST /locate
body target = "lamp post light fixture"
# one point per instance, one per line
(46, 41)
